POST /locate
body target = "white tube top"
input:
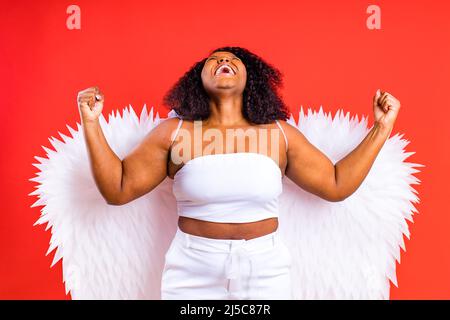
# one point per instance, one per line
(228, 187)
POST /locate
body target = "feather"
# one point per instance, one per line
(340, 250)
(348, 249)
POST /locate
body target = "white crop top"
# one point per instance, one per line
(228, 187)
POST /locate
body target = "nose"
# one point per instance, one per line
(224, 59)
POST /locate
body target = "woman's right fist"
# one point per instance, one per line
(90, 104)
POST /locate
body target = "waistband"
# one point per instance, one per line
(227, 245)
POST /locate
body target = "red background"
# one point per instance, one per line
(134, 51)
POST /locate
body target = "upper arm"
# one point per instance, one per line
(146, 166)
(308, 167)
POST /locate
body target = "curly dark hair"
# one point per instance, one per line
(261, 101)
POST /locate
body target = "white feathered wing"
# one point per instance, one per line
(348, 249)
(343, 250)
(108, 252)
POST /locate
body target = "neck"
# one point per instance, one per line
(226, 111)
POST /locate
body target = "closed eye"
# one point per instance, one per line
(234, 58)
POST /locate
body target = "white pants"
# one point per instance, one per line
(205, 268)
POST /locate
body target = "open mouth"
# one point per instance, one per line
(224, 70)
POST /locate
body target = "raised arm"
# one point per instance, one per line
(146, 166)
(313, 171)
(121, 181)
(308, 167)
(354, 167)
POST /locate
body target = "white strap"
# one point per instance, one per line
(176, 131)
(285, 139)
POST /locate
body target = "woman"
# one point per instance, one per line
(226, 245)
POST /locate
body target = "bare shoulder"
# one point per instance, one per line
(284, 123)
(161, 134)
(168, 123)
(289, 129)
(297, 140)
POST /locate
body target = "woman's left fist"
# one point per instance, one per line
(385, 109)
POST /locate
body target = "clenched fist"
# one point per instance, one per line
(90, 104)
(385, 108)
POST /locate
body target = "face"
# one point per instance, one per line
(217, 79)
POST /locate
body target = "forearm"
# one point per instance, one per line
(351, 171)
(105, 165)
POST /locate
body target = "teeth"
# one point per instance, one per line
(224, 66)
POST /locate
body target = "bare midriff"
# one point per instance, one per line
(215, 230)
